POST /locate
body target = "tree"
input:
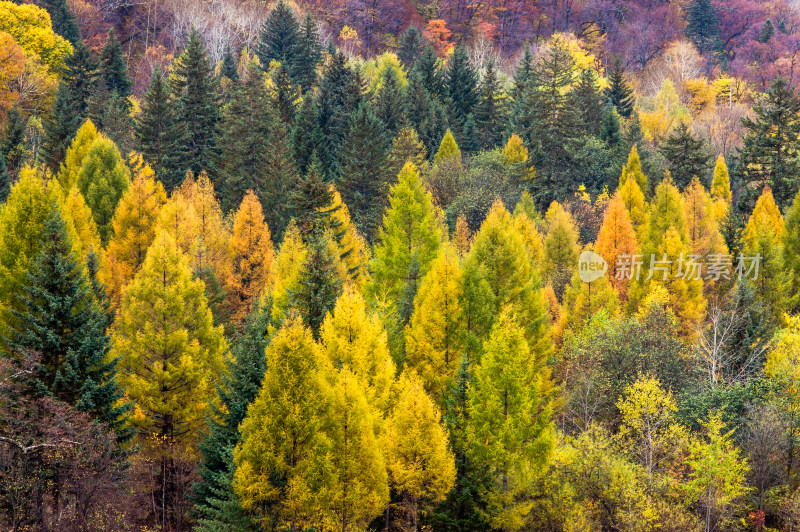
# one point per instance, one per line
(63, 20)
(633, 169)
(582, 300)
(421, 466)
(134, 229)
(411, 43)
(113, 67)
(648, 429)
(406, 147)
(686, 156)
(76, 154)
(283, 476)
(194, 89)
(619, 92)
(588, 100)
(509, 428)
(359, 488)
(616, 239)
(306, 135)
(215, 500)
(245, 141)
(57, 317)
(311, 202)
(766, 33)
(461, 86)
(339, 96)
(702, 228)
(490, 110)
(410, 235)
(279, 176)
(435, 335)
(229, 69)
(702, 26)
(666, 211)
(318, 285)
(103, 179)
(448, 150)
(388, 103)
(12, 146)
(60, 127)
(721, 190)
(251, 255)
(80, 76)
(309, 54)
(560, 248)
(279, 36)
(364, 181)
(170, 354)
(159, 133)
(718, 476)
(769, 146)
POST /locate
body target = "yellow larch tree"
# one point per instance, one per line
(721, 189)
(462, 239)
(560, 248)
(80, 216)
(633, 199)
(582, 300)
(701, 223)
(617, 239)
(286, 268)
(76, 153)
(352, 248)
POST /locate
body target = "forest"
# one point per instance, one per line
(429, 265)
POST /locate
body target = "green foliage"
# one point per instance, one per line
(686, 156)
(318, 285)
(619, 93)
(702, 26)
(113, 68)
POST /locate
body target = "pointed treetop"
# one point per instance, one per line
(448, 149)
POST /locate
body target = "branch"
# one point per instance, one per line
(26, 449)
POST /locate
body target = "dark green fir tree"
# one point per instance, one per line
(194, 88)
(319, 285)
(388, 103)
(339, 96)
(5, 180)
(279, 37)
(461, 84)
(285, 94)
(309, 55)
(311, 200)
(81, 76)
(113, 68)
(766, 33)
(306, 134)
(228, 68)
(686, 156)
(619, 92)
(159, 135)
(702, 26)
(491, 112)
(588, 101)
(432, 77)
(411, 43)
(364, 182)
(59, 128)
(12, 142)
(63, 20)
(279, 177)
(60, 319)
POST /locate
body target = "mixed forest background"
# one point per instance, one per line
(313, 266)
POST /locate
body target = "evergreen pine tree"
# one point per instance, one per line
(609, 128)
(619, 92)
(218, 508)
(5, 180)
(588, 101)
(319, 286)
(160, 135)
(278, 40)
(63, 20)
(310, 201)
(116, 122)
(309, 54)
(306, 135)
(523, 73)
(229, 69)
(768, 154)
(279, 177)
(461, 84)
(427, 116)
(364, 181)
(59, 128)
(766, 33)
(245, 140)
(686, 156)
(113, 68)
(388, 104)
(490, 111)
(59, 318)
(431, 75)
(194, 88)
(410, 48)
(12, 141)
(702, 26)
(339, 97)
(80, 75)
(284, 95)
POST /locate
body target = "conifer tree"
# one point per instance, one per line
(410, 234)
(279, 36)
(633, 168)
(388, 103)
(686, 156)
(666, 211)
(22, 220)
(160, 135)
(251, 255)
(353, 250)
(294, 362)
(509, 427)
(216, 503)
(448, 150)
(421, 466)
(461, 86)
(406, 147)
(113, 68)
(560, 249)
(764, 235)
(117, 122)
(318, 285)
(767, 156)
(194, 89)
(791, 254)
(721, 189)
(435, 335)
(339, 96)
(279, 176)
(615, 239)
(12, 145)
(63, 20)
(5, 180)
(309, 54)
(80, 76)
(410, 48)
(619, 92)
(103, 179)
(76, 153)
(490, 110)
(364, 182)
(633, 199)
(311, 201)
(134, 229)
(702, 26)
(245, 142)
(58, 317)
(610, 129)
(587, 99)
(59, 128)
(584, 300)
(702, 228)
(766, 33)
(283, 95)
(306, 135)
(229, 69)
(355, 340)
(432, 76)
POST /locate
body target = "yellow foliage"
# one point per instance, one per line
(30, 27)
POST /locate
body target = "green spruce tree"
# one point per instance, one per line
(619, 92)
(113, 68)
(687, 156)
(702, 26)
